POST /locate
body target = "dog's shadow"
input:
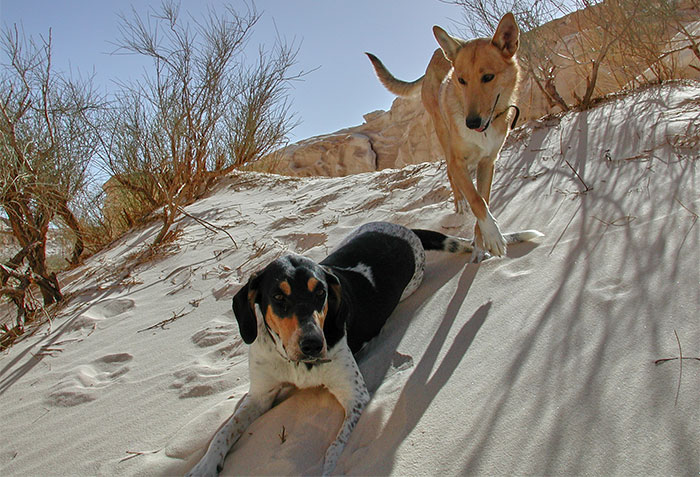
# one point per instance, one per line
(382, 359)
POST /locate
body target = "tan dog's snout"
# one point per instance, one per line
(473, 121)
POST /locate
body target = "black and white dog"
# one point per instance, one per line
(305, 320)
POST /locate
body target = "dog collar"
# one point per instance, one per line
(492, 117)
(515, 119)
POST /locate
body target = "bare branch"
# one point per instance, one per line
(45, 149)
(201, 110)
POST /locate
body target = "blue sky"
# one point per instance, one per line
(332, 35)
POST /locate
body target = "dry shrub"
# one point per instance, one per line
(200, 113)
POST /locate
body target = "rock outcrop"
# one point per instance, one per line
(387, 139)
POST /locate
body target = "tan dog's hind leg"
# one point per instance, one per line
(453, 168)
(460, 201)
(484, 178)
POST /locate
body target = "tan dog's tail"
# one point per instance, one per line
(396, 86)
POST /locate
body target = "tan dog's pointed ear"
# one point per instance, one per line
(449, 45)
(507, 36)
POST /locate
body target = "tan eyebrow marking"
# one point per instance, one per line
(286, 289)
(312, 284)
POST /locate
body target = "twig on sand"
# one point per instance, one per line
(680, 359)
(619, 222)
(133, 454)
(586, 187)
(695, 215)
(283, 435)
(161, 324)
(46, 411)
(207, 225)
(46, 351)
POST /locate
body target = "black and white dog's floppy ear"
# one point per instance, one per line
(244, 309)
(334, 326)
(334, 293)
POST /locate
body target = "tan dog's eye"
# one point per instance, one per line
(461, 80)
(486, 78)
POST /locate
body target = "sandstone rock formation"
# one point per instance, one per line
(403, 135)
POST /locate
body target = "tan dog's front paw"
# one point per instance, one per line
(492, 239)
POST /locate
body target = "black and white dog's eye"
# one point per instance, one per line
(279, 297)
(320, 292)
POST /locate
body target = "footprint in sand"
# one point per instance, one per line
(319, 204)
(217, 332)
(399, 363)
(209, 374)
(225, 292)
(454, 220)
(610, 288)
(98, 313)
(198, 380)
(376, 372)
(284, 222)
(83, 384)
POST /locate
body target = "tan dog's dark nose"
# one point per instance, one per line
(473, 122)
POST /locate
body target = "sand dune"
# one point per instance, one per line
(541, 362)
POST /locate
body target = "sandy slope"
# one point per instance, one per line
(538, 363)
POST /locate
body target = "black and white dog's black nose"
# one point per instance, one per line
(311, 346)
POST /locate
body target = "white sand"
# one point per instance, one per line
(538, 363)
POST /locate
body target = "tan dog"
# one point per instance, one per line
(468, 89)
